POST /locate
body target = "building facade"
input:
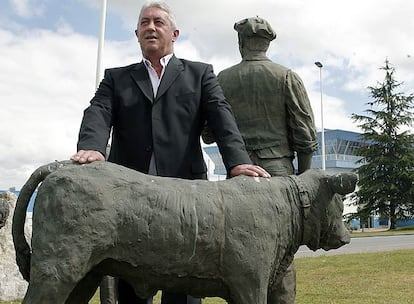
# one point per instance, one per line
(340, 154)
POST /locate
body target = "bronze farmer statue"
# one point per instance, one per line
(273, 113)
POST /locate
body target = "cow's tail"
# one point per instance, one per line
(21, 246)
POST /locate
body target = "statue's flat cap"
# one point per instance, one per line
(255, 27)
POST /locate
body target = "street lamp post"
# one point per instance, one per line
(319, 65)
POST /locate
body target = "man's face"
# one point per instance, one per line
(155, 33)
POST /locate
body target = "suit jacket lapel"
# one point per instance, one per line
(141, 77)
(172, 71)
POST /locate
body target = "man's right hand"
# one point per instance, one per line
(87, 156)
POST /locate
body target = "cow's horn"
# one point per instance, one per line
(343, 183)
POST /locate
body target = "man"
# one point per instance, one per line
(273, 114)
(156, 110)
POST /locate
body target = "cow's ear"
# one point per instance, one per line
(343, 183)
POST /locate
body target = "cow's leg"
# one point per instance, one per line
(249, 296)
(285, 290)
(46, 292)
(246, 292)
(54, 282)
(55, 292)
(85, 289)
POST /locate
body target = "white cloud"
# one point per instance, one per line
(352, 38)
(45, 85)
(27, 8)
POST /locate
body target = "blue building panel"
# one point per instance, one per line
(214, 154)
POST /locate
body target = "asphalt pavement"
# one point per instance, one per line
(364, 245)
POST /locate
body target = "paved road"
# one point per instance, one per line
(364, 245)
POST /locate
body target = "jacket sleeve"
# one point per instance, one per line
(222, 123)
(301, 121)
(97, 119)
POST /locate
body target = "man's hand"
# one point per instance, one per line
(87, 156)
(249, 170)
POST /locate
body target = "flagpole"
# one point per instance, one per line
(101, 44)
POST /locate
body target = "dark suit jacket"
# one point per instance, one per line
(168, 125)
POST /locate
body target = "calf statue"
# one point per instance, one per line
(231, 239)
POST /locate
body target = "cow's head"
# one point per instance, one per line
(323, 224)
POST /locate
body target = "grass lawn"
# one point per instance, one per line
(380, 278)
(383, 277)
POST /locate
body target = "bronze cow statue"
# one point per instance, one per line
(231, 239)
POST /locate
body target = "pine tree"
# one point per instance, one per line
(386, 175)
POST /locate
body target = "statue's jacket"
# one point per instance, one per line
(271, 107)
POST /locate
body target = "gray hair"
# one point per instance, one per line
(163, 6)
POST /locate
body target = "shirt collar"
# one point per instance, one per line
(163, 60)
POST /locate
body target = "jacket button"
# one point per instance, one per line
(148, 148)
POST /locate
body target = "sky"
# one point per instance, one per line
(48, 60)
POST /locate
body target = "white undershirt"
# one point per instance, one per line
(155, 81)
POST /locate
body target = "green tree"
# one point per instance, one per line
(386, 174)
